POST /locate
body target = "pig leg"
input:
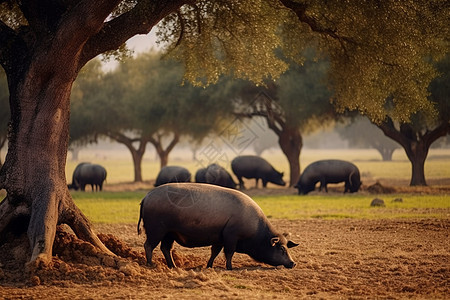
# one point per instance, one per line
(229, 246)
(215, 250)
(241, 183)
(257, 179)
(166, 248)
(323, 185)
(229, 252)
(347, 187)
(148, 247)
(150, 244)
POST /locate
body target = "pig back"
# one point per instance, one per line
(250, 166)
(192, 208)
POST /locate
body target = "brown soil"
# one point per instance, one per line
(350, 259)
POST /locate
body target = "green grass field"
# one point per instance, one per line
(123, 207)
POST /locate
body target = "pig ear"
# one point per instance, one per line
(291, 244)
(274, 241)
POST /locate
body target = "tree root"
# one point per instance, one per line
(40, 222)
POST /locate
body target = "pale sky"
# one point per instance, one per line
(142, 43)
(138, 43)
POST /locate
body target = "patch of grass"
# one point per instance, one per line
(241, 287)
(110, 207)
(354, 206)
(123, 207)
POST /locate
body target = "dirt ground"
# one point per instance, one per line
(336, 259)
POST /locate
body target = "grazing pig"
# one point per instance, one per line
(200, 175)
(198, 215)
(169, 174)
(87, 173)
(215, 174)
(329, 171)
(250, 166)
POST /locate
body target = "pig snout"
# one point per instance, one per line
(290, 265)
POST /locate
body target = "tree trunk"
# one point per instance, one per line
(164, 153)
(291, 144)
(163, 159)
(386, 153)
(136, 153)
(417, 153)
(41, 60)
(137, 162)
(34, 170)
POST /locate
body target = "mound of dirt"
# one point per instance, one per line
(378, 188)
(358, 259)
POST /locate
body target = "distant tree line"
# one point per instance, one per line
(134, 106)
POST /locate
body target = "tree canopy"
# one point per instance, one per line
(377, 50)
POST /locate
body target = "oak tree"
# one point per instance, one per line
(43, 46)
(417, 136)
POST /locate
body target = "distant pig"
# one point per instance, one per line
(87, 173)
(215, 174)
(200, 175)
(329, 171)
(250, 166)
(169, 174)
(198, 215)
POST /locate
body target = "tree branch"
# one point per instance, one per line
(174, 142)
(389, 130)
(139, 20)
(300, 11)
(270, 121)
(431, 136)
(88, 17)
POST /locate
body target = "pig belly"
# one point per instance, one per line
(197, 239)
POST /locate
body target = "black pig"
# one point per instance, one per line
(169, 174)
(198, 215)
(250, 166)
(329, 171)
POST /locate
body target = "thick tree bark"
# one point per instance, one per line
(41, 60)
(34, 170)
(291, 144)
